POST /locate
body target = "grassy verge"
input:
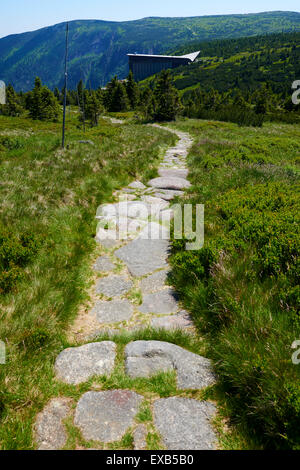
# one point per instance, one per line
(49, 199)
(243, 286)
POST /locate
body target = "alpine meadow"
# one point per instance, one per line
(149, 236)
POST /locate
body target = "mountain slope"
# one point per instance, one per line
(98, 48)
(242, 64)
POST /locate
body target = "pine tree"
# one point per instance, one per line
(57, 94)
(42, 103)
(93, 107)
(132, 91)
(147, 104)
(80, 88)
(108, 92)
(116, 98)
(239, 101)
(166, 98)
(12, 107)
(69, 100)
(119, 99)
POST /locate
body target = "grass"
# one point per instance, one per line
(242, 287)
(144, 415)
(53, 195)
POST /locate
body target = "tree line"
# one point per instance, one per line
(157, 100)
(162, 103)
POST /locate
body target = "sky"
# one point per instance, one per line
(18, 16)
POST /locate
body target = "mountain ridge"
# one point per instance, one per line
(98, 48)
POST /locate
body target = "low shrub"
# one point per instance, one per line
(10, 143)
(229, 113)
(34, 340)
(16, 252)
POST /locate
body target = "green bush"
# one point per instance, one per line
(41, 103)
(238, 115)
(10, 143)
(263, 218)
(268, 217)
(34, 340)
(16, 252)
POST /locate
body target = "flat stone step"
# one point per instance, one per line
(113, 286)
(132, 209)
(163, 302)
(115, 311)
(137, 185)
(104, 265)
(143, 257)
(180, 321)
(77, 365)
(125, 225)
(147, 358)
(106, 416)
(140, 437)
(155, 282)
(185, 424)
(173, 173)
(50, 432)
(170, 183)
(159, 203)
(106, 238)
(156, 231)
(169, 195)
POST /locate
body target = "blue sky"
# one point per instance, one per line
(17, 16)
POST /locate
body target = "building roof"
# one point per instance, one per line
(192, 57)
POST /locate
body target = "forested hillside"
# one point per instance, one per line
(98, 48)
(242, 64)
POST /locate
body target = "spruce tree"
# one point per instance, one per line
(42, 103)
(109, 91)
(166, 98)
(93, 107)
(147, 104)
(116, 98)
(119, 99)
(132, 91)
(239, 101)
(57, 94)
(12, 107)
(80, 88)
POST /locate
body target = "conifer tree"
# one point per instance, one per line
(42, 103)
(132, 90)
(239, 101)
(119, 98)
(147, 104)
(108, 92)
(12, 107)
(116, 98)
(166, 98)
(80, 88)
(93, 107)
(57, 94)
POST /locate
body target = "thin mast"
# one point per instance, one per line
(65, 88)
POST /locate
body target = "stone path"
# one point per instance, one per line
(131, 292)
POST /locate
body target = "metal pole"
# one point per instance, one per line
(65, 89)
(83, 109)
(82, 97)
